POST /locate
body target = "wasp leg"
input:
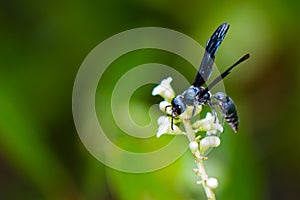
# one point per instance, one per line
(213, 109)
(166, 108)
(172, 121)
(193, 112)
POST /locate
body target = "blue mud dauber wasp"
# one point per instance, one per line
(196, 94)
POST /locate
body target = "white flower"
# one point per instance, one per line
(164, 89)
(165, 107)
(210, 124)
(164, 127)
(208, 142)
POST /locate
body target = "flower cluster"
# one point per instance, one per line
(199, 147)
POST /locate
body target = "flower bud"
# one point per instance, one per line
(193, 146)
(212, 183)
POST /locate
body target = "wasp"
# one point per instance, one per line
(197, 94)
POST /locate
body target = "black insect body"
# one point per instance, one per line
(196, 94)
(228, 109)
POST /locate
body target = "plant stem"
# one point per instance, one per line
(201, 172)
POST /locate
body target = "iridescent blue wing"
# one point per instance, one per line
(207, 62)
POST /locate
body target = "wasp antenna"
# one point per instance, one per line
(224, 74)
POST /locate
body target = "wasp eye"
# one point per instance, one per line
(177, 110)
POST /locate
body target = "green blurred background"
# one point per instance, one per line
(42, 45)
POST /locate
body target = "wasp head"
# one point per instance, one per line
(178, 106)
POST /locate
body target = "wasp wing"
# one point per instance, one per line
(212, 46)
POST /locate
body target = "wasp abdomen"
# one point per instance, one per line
(228, 109)
(233, 120)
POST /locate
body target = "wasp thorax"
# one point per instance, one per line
(203, 96)
(190, 95)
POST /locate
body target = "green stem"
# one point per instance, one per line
(188, 129)
(201, 172)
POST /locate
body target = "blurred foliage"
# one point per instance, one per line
(42, 46)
